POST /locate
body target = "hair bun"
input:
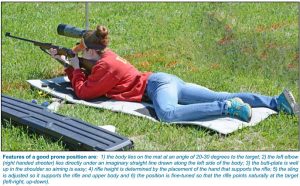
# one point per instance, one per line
(101, 31)
(97, 37)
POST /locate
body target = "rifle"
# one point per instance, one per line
(84, 63)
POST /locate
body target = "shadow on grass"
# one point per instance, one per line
(203, 129)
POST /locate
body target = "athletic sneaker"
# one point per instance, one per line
(286, 102)
(237, 108)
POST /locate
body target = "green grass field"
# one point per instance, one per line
(230, 47)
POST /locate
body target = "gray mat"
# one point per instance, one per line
(60, 88)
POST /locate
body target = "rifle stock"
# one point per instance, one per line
(84, 63)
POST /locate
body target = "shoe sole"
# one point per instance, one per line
(290, 99)
(250, 112)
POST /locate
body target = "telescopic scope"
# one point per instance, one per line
(70, 31)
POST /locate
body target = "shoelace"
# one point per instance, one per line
(291, 96)
(234, 111)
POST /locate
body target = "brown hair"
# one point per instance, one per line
(97, 38)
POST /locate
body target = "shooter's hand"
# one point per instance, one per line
(53, 53)
(74, 62)
(62, 58)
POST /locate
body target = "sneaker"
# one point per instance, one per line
(237, 108)
(286, 102)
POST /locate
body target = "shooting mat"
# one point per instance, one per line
(60, 87)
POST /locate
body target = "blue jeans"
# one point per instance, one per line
(175, 100)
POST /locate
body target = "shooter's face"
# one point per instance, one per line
(90, 54)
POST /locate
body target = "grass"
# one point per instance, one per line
(224, 46)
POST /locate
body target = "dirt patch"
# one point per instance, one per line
(12, 86)
(263, 56)
(142, 55)
(225, 40)
(292, 66)
(296, 57)
(215, 66)
(171, 64)
(272, 27)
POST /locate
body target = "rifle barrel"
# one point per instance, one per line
(84, 63)
(7, 34)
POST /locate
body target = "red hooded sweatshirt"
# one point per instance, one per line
(112, 76)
